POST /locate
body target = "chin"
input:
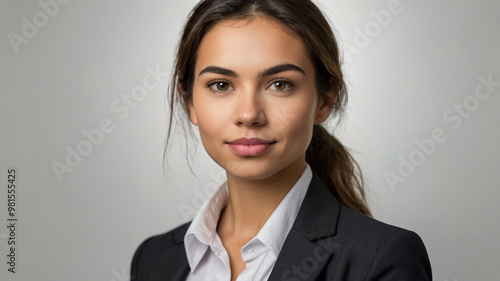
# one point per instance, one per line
(250, 170)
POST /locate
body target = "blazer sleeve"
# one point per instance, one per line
(402, 256)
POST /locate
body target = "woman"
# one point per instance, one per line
(258, 78)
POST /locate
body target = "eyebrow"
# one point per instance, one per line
(281, 68)
(218, 70)
(270, 71)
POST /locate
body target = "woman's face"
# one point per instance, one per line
(254, 99)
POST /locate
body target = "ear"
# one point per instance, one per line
(188, 105)
(325, 107)
(192, 114)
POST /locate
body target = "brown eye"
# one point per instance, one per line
(280, 86)
(220, 86)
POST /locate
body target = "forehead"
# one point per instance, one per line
(251, 44)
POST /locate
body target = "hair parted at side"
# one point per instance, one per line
(326, 155)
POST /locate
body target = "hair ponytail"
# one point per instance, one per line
(336, 167)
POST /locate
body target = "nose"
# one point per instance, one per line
(249, 110)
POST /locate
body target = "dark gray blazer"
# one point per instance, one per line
(328, 241)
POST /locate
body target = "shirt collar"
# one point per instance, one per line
(202, 233)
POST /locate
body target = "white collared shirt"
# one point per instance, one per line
(209, 260)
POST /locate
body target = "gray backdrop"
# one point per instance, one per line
(83, 121)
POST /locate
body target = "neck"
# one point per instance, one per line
(251, 202)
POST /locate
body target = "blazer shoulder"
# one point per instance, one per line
(361, 227)
(389, 252)
(157, 244)
(151, 250)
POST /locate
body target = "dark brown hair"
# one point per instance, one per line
(326, 155)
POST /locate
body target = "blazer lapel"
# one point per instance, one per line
(309, 244)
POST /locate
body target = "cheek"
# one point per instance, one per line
(295, 118)
(210, 117)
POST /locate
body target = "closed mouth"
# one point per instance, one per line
(250, 146)
(250, 141)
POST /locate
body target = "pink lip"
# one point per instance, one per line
(249, 146)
